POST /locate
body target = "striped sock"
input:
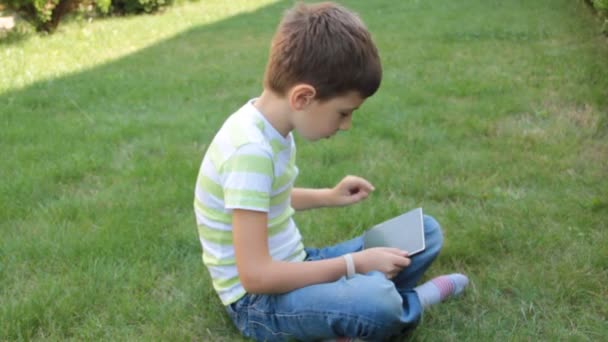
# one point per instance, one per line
(439, 289)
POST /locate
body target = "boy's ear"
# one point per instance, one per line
(301, 95)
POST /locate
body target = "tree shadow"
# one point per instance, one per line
(114, 150)
(182, 87)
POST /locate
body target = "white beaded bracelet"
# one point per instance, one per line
(350, 265)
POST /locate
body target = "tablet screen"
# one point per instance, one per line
(405, 232)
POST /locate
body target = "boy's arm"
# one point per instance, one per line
(303, 199)
(259, 273)
(349, 190)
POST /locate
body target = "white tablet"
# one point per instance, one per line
(405, 232)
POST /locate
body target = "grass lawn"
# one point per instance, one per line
(492, 116)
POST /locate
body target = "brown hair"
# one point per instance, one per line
(326, 46)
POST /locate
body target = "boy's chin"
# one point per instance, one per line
(312, 138)
(322, 138)
(315, 137)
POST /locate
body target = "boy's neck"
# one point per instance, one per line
(276, 110)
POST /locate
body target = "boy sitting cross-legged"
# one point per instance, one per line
(323, 65)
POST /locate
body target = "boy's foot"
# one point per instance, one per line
(441, 288)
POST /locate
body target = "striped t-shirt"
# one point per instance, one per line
(249, 165)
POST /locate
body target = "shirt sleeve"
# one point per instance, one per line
(247, 178)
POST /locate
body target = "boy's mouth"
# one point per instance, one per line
(331, 135)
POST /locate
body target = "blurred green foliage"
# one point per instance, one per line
(46, 15)
(602, 9)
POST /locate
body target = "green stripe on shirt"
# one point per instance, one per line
(212, 213)
(225, 284)
(209, 186)
(224, 237)
(284, 179)
(210, 260)
(248, 163)
(280, 197)
(215, 154)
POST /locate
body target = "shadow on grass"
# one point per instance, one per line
(182, 87)
(97, 161)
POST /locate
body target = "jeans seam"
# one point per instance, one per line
(340, 314)
(251, 323)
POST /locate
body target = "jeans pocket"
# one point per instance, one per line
(234, 315)
(237, 312)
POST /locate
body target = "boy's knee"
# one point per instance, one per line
(385, 301)
(380, 305)
(432, 234)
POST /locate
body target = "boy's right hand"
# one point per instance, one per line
(387, 260)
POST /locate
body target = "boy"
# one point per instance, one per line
(323, 65)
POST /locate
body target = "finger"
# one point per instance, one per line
(395, 251)
(351, 198)
(358, 182)
(361, 195)
(362, 183)
(402, 262)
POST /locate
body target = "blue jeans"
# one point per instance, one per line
(367, 306)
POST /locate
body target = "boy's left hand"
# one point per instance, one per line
(350, 190)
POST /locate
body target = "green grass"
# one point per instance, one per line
(492, 116)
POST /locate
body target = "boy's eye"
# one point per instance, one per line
(344, 114)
